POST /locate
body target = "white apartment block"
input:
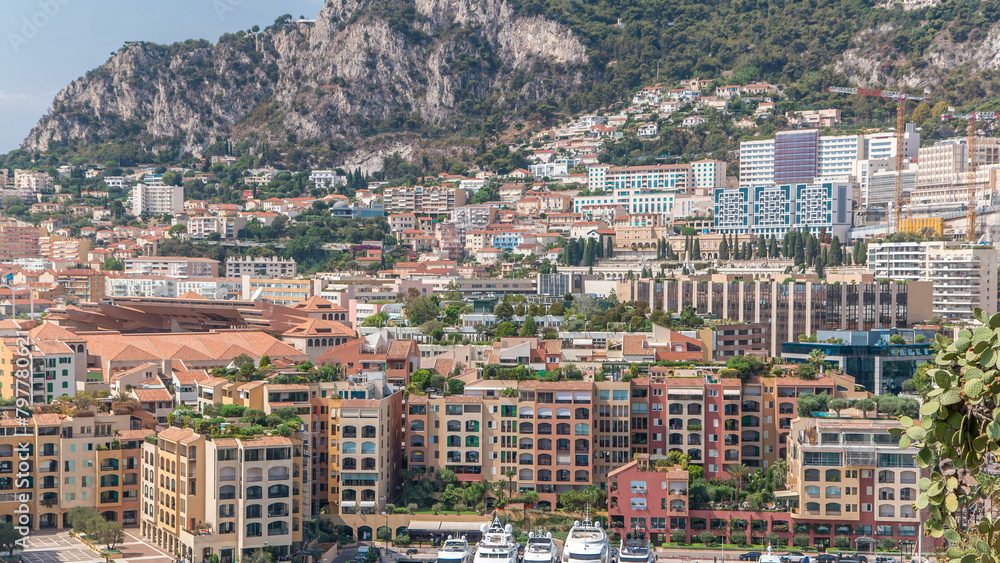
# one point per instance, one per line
(964, 276)
(211, 288)
(122, 285)
(115, 182)
(830, 158)
(174, 266)
(326, 178)
(272, 267)
(556, 169)
(943, 174)
(423, 199)
(707, 175)
(599, 207)
(31, 181)
(228, 227)
(4, 177)
(157, 199)
(153, 179)
(773, 210)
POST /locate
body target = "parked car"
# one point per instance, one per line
(412, 551)
(885, 559)
(793, 557)
(826, 558)
(750, 556)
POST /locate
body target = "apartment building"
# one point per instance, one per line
(62, 249)
(286, 292)
(157, 199)
(260, 267)
(847, 478)
(69, 461)
(228, 497)
(174, 266)
(773, 210)
(702, 175)
(963, 276)
(30, 182)
(943, 175)
(226, 226)
(851, 473)
(806, 156)
(20, 240)
(326, 178)
(80, 284)
(793, 308)
(367, 444)
(423, 199)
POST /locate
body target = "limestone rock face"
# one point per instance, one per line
(359, 68)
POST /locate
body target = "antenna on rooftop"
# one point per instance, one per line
(221, 293)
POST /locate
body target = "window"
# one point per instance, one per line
(827, 459)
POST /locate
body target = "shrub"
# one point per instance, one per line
(706, 537)
(739, 538)
(842, 542)
(887, 544)
(772, 538)
(678, 536)
(800, 540)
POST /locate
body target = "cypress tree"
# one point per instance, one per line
(836, 253)
(696, 250)
(810, 250)
(609, 251)
(723, 249)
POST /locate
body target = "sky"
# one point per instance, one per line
(46, 44)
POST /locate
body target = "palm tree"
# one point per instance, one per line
(510, 473)
(817, 358)
(738, 471)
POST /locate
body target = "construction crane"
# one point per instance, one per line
(901, 99)
(973, 163)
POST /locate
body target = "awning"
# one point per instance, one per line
(436, 527)
(786, 494)
(367, 504)
(348, 504)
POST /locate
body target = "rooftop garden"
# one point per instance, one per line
(216, 421)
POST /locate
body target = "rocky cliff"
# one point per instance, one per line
(363, 66)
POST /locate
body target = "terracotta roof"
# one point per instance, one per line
(398, 350)
(213, 381)
(52, 331)
(320, 327)
(175, 434)
(317, 303)
(186, 377)
(635, 345)
(266, 441)
(191, 295)
(48, 419)
(218, 347)
(52, 347)
(150, 395)
(287, 387)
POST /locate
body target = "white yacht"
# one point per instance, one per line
(635, 548)
(587, 542)
(455, 551)
(540, 549)
(497, 545)
(769, 557)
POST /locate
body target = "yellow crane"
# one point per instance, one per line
(901, 99)
(973, 163)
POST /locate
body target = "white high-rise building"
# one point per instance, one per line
(157, 199)
(964, 276)
(803, 155)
